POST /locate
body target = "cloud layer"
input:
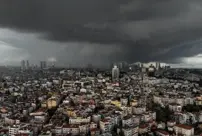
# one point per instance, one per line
(108, 30)
(9, 54)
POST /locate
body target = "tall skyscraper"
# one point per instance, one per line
(158, 65)
(27, 64)
(89, 66)
(151, 70)
(120, 65)
(115, 73)
(43, 64)
(23, 67)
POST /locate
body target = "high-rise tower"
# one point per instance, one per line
(27, 64)
(43, 64)
(23, 67)
(115, 73)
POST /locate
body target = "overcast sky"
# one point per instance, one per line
(79, 32)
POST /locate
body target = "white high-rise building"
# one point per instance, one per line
(158, 65)
(23, 65)
(115, 73)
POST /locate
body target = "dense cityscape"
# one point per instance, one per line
(125, 100)
(100, 68)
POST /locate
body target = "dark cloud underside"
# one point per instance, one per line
(144, 29)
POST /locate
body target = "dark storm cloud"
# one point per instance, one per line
(144, 29)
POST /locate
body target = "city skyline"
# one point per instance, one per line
(52, 63)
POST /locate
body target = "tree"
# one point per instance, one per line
(120, 123)
(160, 93)
(121, 133)
(88, 133)
(168, 113)
(115, 128)
(162, 114)
(114, 134)
(66, 119)
(13, 99)
(192, 108)
(96, 110)
(8, 92)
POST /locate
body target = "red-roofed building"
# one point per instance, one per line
(185, 130)
(162, 133)
(144, 128)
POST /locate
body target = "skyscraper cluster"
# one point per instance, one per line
(121, 65)
(25, 65)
